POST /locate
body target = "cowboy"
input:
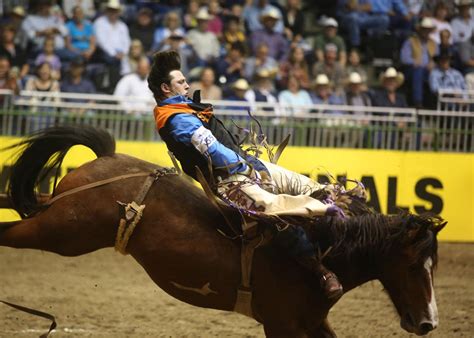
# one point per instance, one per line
(198, 139)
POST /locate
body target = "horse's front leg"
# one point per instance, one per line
(324, 330)
(284, 330)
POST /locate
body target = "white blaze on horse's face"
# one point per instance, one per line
(432, 311)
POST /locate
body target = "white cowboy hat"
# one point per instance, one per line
(114, 4)
(330, 22)
(241, 84)
(19, 10)
(427, 23)
(270, 12)
(322, 80)
(391, 73)
(355, 78)
(203, 14)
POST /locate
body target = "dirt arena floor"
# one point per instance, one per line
(107, 295)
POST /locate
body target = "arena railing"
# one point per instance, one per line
(131, 118)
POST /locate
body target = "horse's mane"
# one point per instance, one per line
(374, 236)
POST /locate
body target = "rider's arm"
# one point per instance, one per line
(188, 129)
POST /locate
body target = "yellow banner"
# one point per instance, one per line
(441, 183)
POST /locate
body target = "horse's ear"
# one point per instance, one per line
(439, 228)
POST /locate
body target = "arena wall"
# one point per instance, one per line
(441, 183)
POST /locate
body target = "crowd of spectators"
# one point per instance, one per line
(244, 50)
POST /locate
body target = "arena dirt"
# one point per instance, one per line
(107, 295)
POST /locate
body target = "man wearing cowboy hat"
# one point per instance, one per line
(388, 96)
(277, 43)
(205, 43)
(199, 140)
(445, 77)
(252, 15)
(417, 57)
(463, 23)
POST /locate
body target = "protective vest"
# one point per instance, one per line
(187, 154)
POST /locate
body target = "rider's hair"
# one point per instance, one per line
(163, 64)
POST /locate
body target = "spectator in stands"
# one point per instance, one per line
(262, 90)
(440, 22)
(75, 81)
(112, 34)
(233, 32)
(43, 24)
(388, 96)
(215, 24)
(8, 79)
(133, 57)
(206, 84)
(355, 94)
(293, 19)
(143, 28)
(463, 24)
(354, 66)
(43, 82)
(204, 43)
(172, 26)
(87, 6)
(135, 87)
(231, 67)
(252, 14)
(239, 88)
(47, 55)
(322, 93)
(261, 61)
(294, 96)
(445, 44)
(81, 39)
(429, 6)
(15, 19)
(296, 66)
(277, 43)
(190, 21)
(369, 15)
(417, 57)
(330, 67)
(328, 36)
(466, 55)
(445, 77)
(15, 54)
(185, 51)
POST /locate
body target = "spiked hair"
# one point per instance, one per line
(163, 64)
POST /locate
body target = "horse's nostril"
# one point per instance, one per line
(426, 327)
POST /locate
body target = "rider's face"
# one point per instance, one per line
(178, 84)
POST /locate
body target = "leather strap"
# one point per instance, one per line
(93, 185)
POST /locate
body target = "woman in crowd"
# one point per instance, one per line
(296, 66)
(81, 38)
(171, 26)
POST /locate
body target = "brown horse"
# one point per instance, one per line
(177, 244)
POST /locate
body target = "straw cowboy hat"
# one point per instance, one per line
(241, 84)
(355, 78)
(203, 14)
(270, 12)
(114, 4)
(322, 80)
(19, 10)
(391, 73)
(427, 23)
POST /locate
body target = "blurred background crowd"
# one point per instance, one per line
(390, 53)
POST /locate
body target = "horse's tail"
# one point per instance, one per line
(44, 151)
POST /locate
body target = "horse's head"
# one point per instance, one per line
(407, 274)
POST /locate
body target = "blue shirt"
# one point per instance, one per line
(450, 79)
(386, 6)
(184, 126)
(80, 39)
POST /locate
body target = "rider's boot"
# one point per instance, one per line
(294, 241)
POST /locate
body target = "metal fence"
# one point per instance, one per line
(315, 125)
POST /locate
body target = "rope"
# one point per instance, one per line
(125, 231)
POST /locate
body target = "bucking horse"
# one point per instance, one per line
(177, 243)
